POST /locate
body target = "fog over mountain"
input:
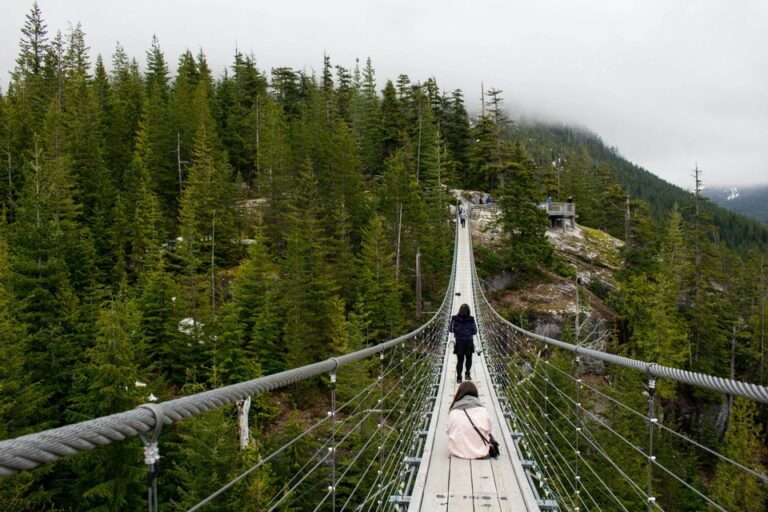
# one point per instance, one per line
(670, 84)
(751, 201)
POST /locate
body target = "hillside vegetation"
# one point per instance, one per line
(556, 145)
(166, 231)
(751, 201)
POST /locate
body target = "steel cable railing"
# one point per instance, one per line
(32, 450)
(553, 420)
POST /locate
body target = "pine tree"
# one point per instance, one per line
(6, 157)
(526, 245)
(733, 488)
(402, 206)
(163, 348)
(208, 219)
(111, 478)
(371, 144)
(309, 283)
(27, 77)
(143, 210)
(251, 343)
(45, 212)
(392, 121)
(454, 125)
(20, 397)
(124, 103)
(276, 172)
(378, 294)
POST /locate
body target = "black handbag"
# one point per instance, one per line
(493, 445)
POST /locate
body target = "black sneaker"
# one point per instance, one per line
(458, 379)
(466, 376)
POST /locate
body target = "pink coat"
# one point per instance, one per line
(463, 441)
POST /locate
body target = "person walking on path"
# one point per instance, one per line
(463, 217)
(464, 328)
(467, 414)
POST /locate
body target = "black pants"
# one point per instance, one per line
(460, 362)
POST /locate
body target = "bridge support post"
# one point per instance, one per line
(380, 452)
(577, 476)
(332, 448)
(652, 420)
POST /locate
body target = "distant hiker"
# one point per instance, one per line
(463, 217)
(469, 424)
(463, 328)
(549, 200)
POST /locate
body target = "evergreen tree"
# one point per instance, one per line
(370, 124)
(111, 478)
(309, 283)
(208, 219)
(733, 488)
(276, 172)
(255, 327)
(392, 121)
(41, 279)
(377, 290)
(27, 93)
(123, 113)
(454, 125)
(526, 245)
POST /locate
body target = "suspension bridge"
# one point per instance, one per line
(384, 446)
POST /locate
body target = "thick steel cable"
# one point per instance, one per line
(348, 417)
(644, 455)
(414, 382)
(293, 441)
(593, 442)
(308, 473)
(761, 476)
(722, 385)
(305, 475)
(32, 450)
(599, 449)
(524, 406)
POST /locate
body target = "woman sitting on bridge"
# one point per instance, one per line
(468, 420)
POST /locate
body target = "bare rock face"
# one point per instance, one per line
(554, 305)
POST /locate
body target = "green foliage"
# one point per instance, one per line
(525, 244)
(733, 488)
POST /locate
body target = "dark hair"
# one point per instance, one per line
(464, 310)
(465, 388)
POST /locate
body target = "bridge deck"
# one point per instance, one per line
(454, 484)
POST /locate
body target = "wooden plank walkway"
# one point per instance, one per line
(446, 483)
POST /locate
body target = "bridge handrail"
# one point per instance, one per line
(32, 450)
(702, 380)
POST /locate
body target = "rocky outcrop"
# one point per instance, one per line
(549, 305)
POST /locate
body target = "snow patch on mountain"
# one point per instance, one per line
(733, 193)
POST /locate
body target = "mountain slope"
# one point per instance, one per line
(749, 201)
(546, 143)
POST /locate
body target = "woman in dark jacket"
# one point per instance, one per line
(463, 328)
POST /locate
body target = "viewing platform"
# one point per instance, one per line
(560, 214)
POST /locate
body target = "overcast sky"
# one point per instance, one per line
(669, 83)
